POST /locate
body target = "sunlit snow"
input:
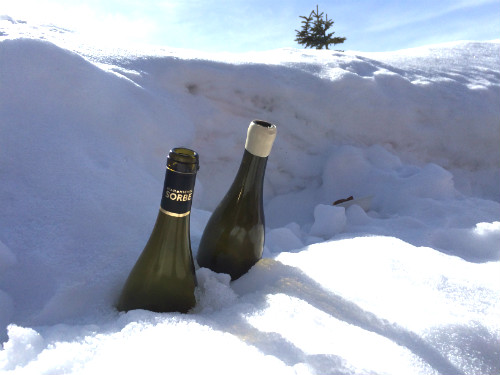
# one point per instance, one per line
(403, 281)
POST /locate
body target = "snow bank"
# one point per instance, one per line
(403, 281)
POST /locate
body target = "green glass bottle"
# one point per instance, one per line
(163, 278)
(233, 239)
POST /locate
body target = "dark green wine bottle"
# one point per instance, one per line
(163, 278)
(233, 239)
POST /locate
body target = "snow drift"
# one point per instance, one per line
(407, 283)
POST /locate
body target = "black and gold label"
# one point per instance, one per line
(177, 193)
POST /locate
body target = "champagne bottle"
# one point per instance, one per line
(163, 278)
(233, 239)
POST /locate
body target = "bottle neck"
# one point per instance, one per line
(250, 175)
(177, 194)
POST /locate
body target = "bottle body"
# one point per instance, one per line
(163, 278)
(233, 239)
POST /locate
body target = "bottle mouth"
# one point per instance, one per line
(260, 138)
(183, 159)
(263, 123)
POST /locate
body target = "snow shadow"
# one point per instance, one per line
(270, 277)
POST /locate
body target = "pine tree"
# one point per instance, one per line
(314, 31)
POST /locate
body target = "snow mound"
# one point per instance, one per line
(403, 279)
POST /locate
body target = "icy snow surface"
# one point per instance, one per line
(405, 281)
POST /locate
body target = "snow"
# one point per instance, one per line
(405, 279)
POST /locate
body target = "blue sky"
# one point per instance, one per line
(256, 25)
